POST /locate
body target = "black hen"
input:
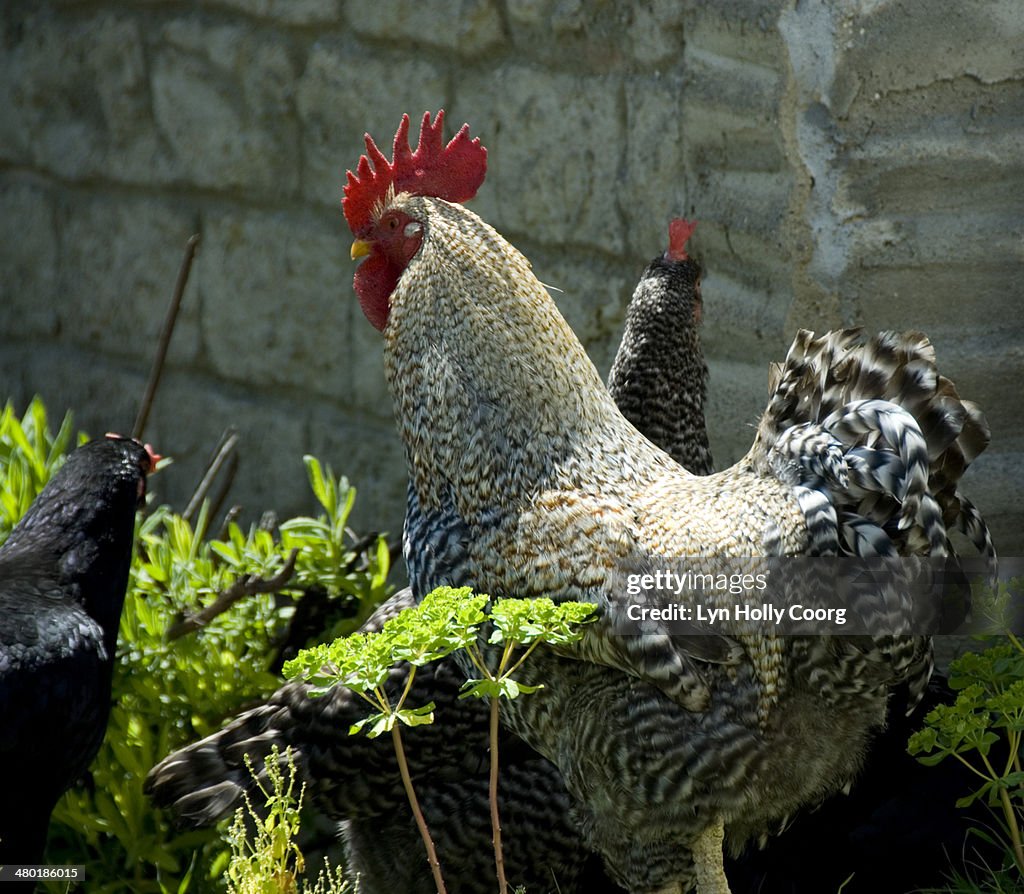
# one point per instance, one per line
(63, 574)
(659, 378)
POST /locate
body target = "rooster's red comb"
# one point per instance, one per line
(679, 232)
(453, 172)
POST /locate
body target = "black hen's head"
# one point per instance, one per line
(79, 530)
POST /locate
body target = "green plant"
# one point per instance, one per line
(172, 686)
(442, 623)
(517, 623)
(29, 455)
(172, 689)
(265, 855)
(989, 708)
(446, 620)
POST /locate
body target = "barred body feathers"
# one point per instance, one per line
(659, 377)
(526, 480)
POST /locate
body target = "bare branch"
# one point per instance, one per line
(230, 516)
(165, 337)
(248, 585)
(228, 443)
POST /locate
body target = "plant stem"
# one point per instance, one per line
(478, 661)
(408, 687)
(973, 768)
(1013, 761)
(522, 658)
(421, 823)
(1015, 641)
(1011, 822)
(1011, 817)
(499, 857)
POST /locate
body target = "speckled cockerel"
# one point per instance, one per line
(659, 379)
(525, 479)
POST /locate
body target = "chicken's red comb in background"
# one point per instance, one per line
(453, 172)
(679, 233)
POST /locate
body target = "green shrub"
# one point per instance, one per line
(29, 455)
(988, 710)
(171, 689)
(445, 621)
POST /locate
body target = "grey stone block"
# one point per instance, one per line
(222, 101)
(345, 91)
(468, 27)
(555, 144)
(289, 12)
(118, 261)
(28, 260)
(270, 287)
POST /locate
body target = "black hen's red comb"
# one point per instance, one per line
(151, 454)
(679, 233)
(453, 172)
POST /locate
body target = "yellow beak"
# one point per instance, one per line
(360, 249)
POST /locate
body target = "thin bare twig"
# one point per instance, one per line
(248, 585)
(360, 546)
(228, 443)
(165, 337)
(217, 502)
(394, 550)
(231, 515)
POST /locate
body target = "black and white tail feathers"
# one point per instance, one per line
(874, 441)
(872, 426)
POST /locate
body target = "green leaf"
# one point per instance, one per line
(509, 688)
(383, 563)
(227, 552)
(923, 740)
(322, 485)
(378, 723)
(417, 716)
(968, 800)
(523, 621)
(1013, 780)
(480, 689)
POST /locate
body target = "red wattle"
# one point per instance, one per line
(375, 280)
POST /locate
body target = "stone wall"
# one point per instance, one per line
(850, 163)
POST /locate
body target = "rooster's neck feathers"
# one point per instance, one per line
(478, 355)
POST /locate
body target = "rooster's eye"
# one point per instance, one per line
(392, 223)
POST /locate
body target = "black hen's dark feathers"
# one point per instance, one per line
(63, 573)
